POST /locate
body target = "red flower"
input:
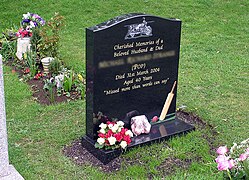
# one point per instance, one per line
(123, 131)
(27, 70)
(118, 136)
(101, 135)
(23, 33)
(109, 122)
(127, 139)
(109, 133)
(107, 142)
(38, 75)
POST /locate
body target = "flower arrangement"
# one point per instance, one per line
(234, 161)
(113, 135)
(32, 20)
(29, 21)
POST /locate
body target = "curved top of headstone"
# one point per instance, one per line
(119, 19)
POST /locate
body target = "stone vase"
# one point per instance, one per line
(23, 45)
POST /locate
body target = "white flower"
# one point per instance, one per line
(123, 144)
(128, 132)
(28, 28)
(59, 80)
(114, 128)
(32, 24)
(102, 131)
(103, 126)
(119, 129)
(101, 140)
(112, 140)
(26, 16)
(120, 123)
(110, 126)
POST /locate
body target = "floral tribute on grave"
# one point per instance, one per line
(132, 76)
(33, 52)
(113, 135)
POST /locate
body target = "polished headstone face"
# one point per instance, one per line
(132, 65)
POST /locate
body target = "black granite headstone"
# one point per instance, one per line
(132, 69)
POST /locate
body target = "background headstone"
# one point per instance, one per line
(7, 171)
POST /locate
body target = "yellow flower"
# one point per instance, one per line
(80, 77)
(25, 55)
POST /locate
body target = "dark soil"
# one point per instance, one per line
(42, 96)
(199, 124)
(80, 156)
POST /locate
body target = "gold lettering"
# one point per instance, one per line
(123, 46)
(121, 53)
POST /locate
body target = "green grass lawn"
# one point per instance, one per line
(213, 83)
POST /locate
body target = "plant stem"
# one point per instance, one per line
(229, 175)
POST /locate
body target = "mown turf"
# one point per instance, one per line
(213, 83)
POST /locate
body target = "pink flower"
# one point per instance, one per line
(222, 150)
(231, 164)
(221, 158)
(223, 165)
(242, 157)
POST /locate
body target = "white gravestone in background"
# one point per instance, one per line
(7, 171)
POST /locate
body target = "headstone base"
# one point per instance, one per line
(159, 131)
(12, 174)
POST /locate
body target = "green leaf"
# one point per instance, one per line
(97, 145)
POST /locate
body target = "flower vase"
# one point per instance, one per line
(45, 63)
(23, 45)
